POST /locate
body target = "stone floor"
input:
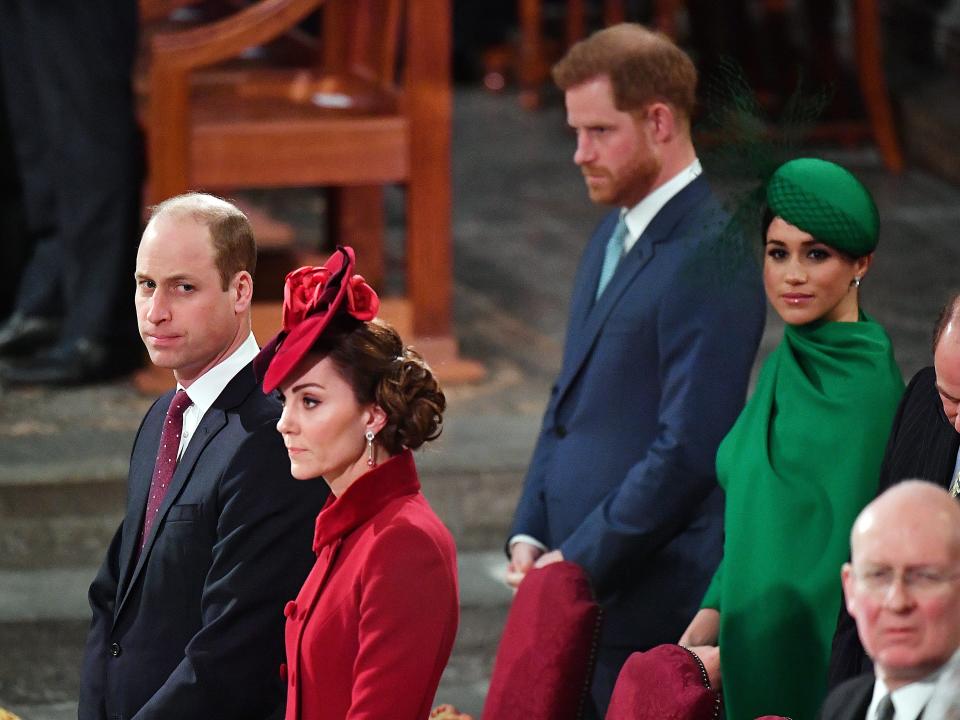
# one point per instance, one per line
(520, 220)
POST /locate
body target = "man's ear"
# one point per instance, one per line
(849, 595)
(662, 121)
(242, 288)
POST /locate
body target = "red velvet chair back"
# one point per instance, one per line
(667, 682)
(545, 659)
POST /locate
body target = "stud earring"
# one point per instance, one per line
(856, 281)
(371, 461)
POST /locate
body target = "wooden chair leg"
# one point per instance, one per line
(613, 12)
(357, 219)
(665, 16)
(530, 70)
(576, 23)
(873, 84)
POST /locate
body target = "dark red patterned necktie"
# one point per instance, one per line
(166, 460)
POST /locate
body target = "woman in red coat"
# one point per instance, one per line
(371, 630)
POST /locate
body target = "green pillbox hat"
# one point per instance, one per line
(827, 201)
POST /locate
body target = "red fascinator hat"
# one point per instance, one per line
(312, 297)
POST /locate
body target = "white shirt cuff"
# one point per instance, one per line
(527, 539)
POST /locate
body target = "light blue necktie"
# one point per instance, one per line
(612, 255)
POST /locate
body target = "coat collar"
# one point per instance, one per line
(367, 496)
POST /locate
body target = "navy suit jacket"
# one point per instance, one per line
(193, 628)
(654, 373)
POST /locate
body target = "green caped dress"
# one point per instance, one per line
(798, 465)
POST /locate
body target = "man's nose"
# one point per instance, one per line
(158, 309)
(584, 152)
(897, 597)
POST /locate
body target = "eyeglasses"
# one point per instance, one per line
(918, 580)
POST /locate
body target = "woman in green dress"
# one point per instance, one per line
(804, 455)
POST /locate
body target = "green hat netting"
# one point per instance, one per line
(827, 201)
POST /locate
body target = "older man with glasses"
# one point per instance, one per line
(902, 588)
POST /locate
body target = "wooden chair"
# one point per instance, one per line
(374, 109)
(880, 126)
(532, 68)
(868, 51)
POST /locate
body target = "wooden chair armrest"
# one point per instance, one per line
(159, 9)
(254, 25)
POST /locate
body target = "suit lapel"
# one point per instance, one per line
(862, 695)
(213, 421)
(141, 474)
(583, 334)
(585, 288)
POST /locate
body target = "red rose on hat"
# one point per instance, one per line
(312, 296)
(362, 301)
(301, 291)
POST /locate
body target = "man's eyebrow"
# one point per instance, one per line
(173, 279)
(947, 395)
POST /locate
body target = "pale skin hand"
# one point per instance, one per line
(548, 559)
(704, 629)
(710, 657)
(522, 557)
(701, 637)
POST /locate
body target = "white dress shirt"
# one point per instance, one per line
(207, 388)
(908, 701)
(642, 214)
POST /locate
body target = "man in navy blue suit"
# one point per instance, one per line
(665, 319)
(217, 537)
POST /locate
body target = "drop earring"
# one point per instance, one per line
(371, 461)
(856, 281)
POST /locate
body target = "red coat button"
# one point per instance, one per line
(283, 671)
(290, 608)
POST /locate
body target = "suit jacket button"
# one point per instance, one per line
(290, 609)
(115, 649)
(283, 672)
(560, 431)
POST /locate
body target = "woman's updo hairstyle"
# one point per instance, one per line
(371, 357)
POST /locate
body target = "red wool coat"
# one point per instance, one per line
(373, 625)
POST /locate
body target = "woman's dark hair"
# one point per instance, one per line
(371, 357)
(768, 217)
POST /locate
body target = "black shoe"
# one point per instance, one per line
(23, 334)
(76, 363)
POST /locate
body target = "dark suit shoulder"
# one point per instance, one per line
(244, 395)
(922, 387)
(849, 700)
(922, 442)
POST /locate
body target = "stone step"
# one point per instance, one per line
(70, 524)
(52, 516)
(43, 711)
(44, 613)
